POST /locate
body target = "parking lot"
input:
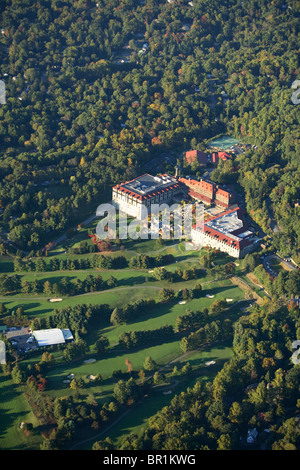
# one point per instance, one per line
(21, 339)
(267, 264)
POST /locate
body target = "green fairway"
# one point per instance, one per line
(138, 417)
(166, 314)
(132, 285)
(14, 410)
(161, 354)
(40, 306)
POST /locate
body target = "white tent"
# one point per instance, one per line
(49, 337)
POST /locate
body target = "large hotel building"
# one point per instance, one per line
(226, 231)
(145, 190)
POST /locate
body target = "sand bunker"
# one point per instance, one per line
(91, 377)
(229, 300)
(55, 300)
(209, 296)
(210, 363)
(70, 376)
(66, 381)
(89, 360)
(182, 302)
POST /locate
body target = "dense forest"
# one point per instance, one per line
(98, 92)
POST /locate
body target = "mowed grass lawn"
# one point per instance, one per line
(166, 314)
(162, 314)
(132, 285)
(138, 417)
(41, 307)
(14, 410)
(161, 354)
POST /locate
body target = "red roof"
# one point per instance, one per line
(239, 244)
(193, 155)
(216, 156)
(222, 192)
(223, 155)
(198, 185)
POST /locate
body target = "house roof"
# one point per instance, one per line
(193, 155)
(216, 156)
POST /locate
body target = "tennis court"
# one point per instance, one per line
(224, 142)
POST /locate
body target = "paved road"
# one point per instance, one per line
(270, 270)
(258, 285)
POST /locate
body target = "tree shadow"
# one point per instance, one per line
(158, 310)
(131, 281)
(216, 290)
(9, 394)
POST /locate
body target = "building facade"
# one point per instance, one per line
(130, 197)
(207, 192)
(226, 232)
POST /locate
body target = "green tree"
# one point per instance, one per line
(149, 364)
(102, 344)
(17, 375)
(116, 317)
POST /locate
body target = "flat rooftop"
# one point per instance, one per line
(147, 183)
(226, 223)
(229, 224)
(49, 337)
